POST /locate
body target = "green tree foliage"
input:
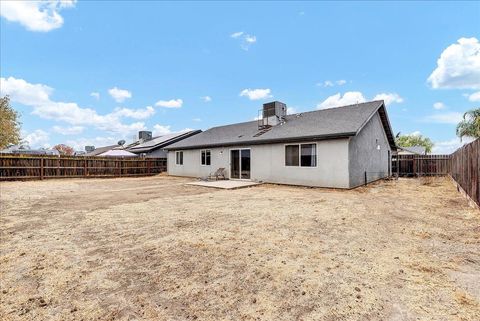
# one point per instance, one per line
(470, 125)
(414, 140)
(9, 123)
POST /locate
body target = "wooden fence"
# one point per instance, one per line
(421, 165)
(465, 169)
(463, 166)
(20, 167)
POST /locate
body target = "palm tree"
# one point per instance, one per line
(470, 125)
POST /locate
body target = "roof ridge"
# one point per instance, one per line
(304, 112)
(343, 106)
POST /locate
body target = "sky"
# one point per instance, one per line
(92, 73)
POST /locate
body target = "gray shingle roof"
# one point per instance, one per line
(320, 124)
(161, 141)
(100, 150)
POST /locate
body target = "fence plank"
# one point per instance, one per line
(421, 165)
(466, 169)
(463, 166)
(14, 167)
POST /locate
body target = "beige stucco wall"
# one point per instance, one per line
(268, 164)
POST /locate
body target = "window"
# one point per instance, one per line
(304, 155)
(291, 155)
(179, 158)
(308, 155)
(206, 157)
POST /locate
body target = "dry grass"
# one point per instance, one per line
(156, 249)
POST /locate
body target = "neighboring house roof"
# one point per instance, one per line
(418, 150)
(25, 149)
(161, 141)
(101, 150)
(118, 153)
(329, 123)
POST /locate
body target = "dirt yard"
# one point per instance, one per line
(156, 249)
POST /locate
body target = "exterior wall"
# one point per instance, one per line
(268, 164)
(157, 153)
(192, 166)
(364, 155)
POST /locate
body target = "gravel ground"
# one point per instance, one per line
(157, 249)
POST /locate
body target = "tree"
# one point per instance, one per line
(9, 123)
(64, 149)
(470, 125)
(414, 140)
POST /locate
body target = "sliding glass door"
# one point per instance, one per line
(240, 163)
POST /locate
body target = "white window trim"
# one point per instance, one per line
(201, 158)
(299, 155)
(176, 158)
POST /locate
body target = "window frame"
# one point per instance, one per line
(177, 158)
(300, 155)
(205, 154)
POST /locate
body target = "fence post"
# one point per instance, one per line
(414, 166)
(41, 168)
(365, 178)
(85, 174)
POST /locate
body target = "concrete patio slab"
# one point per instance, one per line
(225, 184)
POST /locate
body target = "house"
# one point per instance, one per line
(145, 146)
(341, 147)
(412, 150)
(117, 153)
(26, 150)
(92, 151)
(149, 146)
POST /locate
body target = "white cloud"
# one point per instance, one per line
(80, 143)
(337, 100)
(37, 96)
(415, 133)
(37, 138)
(250, 39)
(246, 40)
(389, 98)
(206, 99)
(236, 34)
(475, 97)
(119, 95)
(95, 95)
(36, 15)
(449, 146)
(197, 120)
(159, 130)
(172, 103)
(328, 83)
(458, 66)
(73, 130)
(331, 83)
(356, 97)
(445, 118)
(24, 92)
(439, 105)
(134, 113)
(256, 94)
(291, 110)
